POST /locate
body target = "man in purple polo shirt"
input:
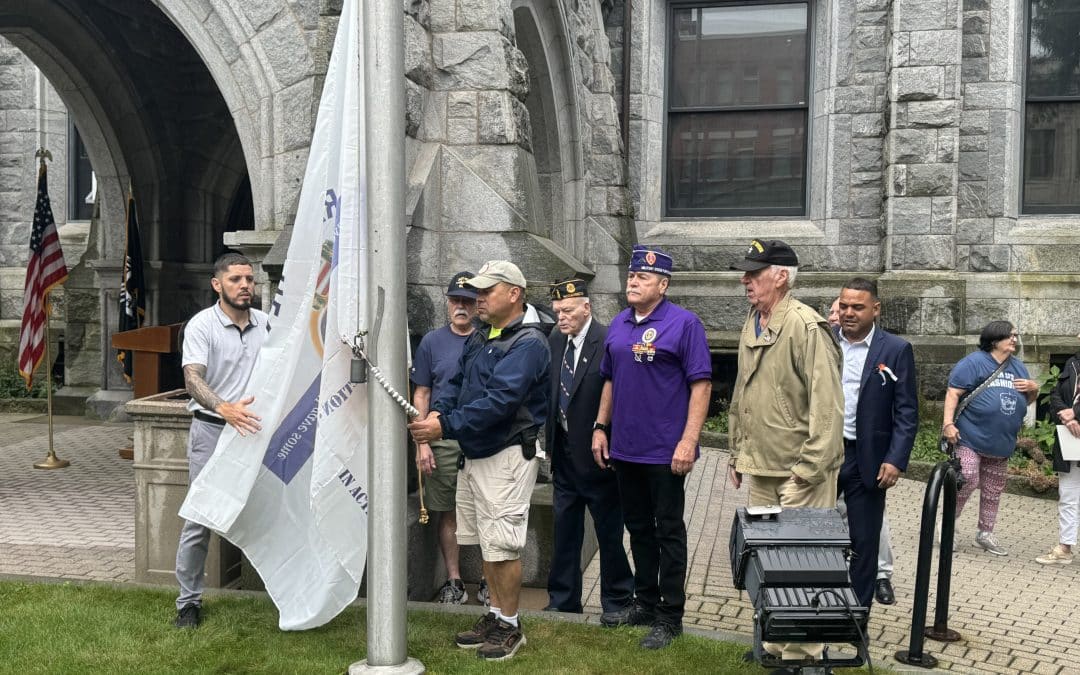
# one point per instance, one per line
(657, 372)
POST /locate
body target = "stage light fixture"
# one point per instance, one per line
(793, 563)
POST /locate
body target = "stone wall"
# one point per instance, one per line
(25, 124)
(31, 116)
(914, 159)
(513, 148)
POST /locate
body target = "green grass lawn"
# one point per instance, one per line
(75, 628)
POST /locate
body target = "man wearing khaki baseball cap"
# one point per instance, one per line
(494, 410)
(496, 271)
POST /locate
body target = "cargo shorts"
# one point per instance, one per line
(493, 497)
(440, 487)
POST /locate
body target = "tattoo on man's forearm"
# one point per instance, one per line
(195, 382)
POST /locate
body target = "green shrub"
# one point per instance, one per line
(928, 443)
(717, 424)
(13, 386)
(1043, 432)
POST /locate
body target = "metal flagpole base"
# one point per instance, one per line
(52, 462)
(922, 661)
(410, 667)
(942, 635)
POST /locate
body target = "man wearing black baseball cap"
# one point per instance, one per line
(786, 418)
(436, 362)
(762, 254)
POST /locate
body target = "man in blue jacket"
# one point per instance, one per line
(494, 408)
(881, 416)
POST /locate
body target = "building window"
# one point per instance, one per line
(738, 71)
(1052, 109)
(81, 187)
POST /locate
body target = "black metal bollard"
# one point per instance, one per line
(946, 475)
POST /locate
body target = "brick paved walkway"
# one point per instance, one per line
(1014, 614)
(73, 523)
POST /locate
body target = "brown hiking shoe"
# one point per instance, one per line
(477, 635)
(502, 642)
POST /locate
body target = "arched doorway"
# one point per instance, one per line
(555, 133)
(155, 120)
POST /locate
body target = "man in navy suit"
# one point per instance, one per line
(576, 384)
(881, 416)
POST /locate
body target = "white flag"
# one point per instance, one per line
(293, 497)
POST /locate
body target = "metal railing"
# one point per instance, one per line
(948, 477)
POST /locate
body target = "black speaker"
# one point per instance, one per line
(793, 565)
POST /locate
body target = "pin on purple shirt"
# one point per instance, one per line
(651, 366)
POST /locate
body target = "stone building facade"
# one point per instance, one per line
(898, 139)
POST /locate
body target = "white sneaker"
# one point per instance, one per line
(1057, 556)
(985, 540)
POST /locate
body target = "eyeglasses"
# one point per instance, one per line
(1014, 336)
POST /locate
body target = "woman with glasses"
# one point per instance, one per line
(984, 433)
(1065, 410)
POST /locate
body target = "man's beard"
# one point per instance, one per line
(242, 305)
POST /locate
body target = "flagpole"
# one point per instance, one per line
(51, 461)
(382, 27)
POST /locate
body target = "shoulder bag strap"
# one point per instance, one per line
(979, 389)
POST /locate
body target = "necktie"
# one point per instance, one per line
(566, 382)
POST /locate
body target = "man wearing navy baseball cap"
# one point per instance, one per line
(786, 418)
(658, 374)
(436, 362)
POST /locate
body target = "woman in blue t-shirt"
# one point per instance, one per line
(985, 432)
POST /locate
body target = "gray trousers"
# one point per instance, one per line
(195, 538)
(885, 555)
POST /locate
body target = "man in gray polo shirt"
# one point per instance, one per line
(220, 346)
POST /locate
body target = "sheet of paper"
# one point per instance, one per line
(1070, 445)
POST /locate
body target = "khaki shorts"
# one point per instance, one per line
(441, 486)
(493, 496)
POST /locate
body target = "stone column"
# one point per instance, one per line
(923, 138)
(473, 187)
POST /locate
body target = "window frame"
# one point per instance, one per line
(1023, 208)
(75, 196)
(667, 212)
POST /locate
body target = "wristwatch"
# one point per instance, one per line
(606, 428)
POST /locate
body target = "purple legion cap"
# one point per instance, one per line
(654, 260)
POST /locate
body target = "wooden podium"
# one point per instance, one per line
(155, 349)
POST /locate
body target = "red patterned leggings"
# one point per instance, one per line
(988, 474)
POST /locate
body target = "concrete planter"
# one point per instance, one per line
(24, 405)
(427, 572)
(1014, 484)
(710, 439)
(920, 471)
(161, 482)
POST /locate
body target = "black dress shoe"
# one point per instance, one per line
(639, 616)
(619, 617)
(553, 608)
(883, 591)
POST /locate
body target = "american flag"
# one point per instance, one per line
(44, 270)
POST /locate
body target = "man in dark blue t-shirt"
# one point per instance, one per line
(436, 362)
